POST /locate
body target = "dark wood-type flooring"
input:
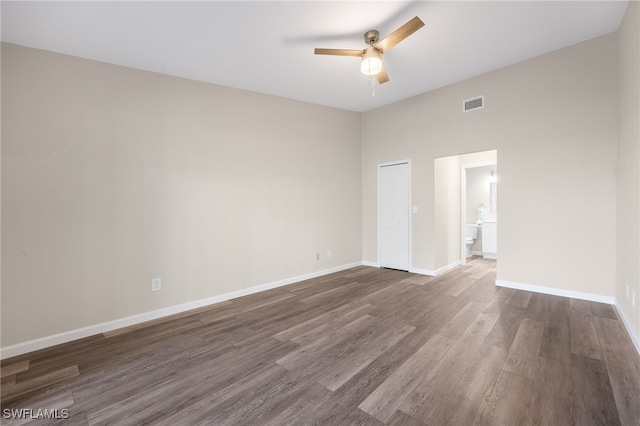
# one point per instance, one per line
(363, 346)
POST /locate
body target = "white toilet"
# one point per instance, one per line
(470, 236)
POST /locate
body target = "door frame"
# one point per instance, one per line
(409, 209)
(463, 205)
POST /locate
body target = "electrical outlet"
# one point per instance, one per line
(329, 253)
(317, 256)
(156, 284)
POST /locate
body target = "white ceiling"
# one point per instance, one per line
(267, 46)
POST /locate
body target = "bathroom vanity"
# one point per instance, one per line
(490, 239)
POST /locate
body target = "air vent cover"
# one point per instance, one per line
(473, 104)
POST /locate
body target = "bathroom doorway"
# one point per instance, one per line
(450, 205)
(478, 209)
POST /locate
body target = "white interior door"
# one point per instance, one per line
(394, 216)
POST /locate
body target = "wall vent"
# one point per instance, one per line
(473, 104)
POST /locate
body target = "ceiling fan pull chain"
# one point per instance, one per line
(373, 86)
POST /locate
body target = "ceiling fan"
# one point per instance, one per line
(371, 63)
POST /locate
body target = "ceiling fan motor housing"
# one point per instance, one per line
(371, 37)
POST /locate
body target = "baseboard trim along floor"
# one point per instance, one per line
(80, 333)
(68, 336)
(576, 295)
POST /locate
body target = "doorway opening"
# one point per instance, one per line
(478, 212)
(452, 211)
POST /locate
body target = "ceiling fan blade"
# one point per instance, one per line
(382, 76)
(400, 34)
(339, 52)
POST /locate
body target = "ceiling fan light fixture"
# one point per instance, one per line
(371, 57)
(371, 61)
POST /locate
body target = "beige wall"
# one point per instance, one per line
(628, 247)
(553, 121)
(446, 207)
(113, 176)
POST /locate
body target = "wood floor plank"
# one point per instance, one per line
(310, 335)
(556, 338)
(520, 299)
(402, 419)
(56, 401)
(577, 306)
(457, 287)
(360, 386)
(584, 336)
(417, 280)
(523, 355)
(385, 400)
(482, 290)
(552, 393)
(198, 410)
(617, 349)
(538, 307)
(434, 389)
(21, 387)
(12, 369)
(506, 327)
(259, 403)
(459, 323)
(305, 353)
(300, 408)
(500, 300)
(346, 368)
(219, 370)
(626, 388)
(317, 321)
(593, 401)
(332, 294)
(344, 417)
(466, 403)
(603, 310)
(509, 402)
(8, 380)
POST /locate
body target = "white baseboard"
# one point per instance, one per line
(438, 271)
(556, 292)
(490, 255)
(68, 336)
(419, 271)
(448, 267)
(627, 325)
(56, 339)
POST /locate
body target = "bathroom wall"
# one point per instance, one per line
(478, 192)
